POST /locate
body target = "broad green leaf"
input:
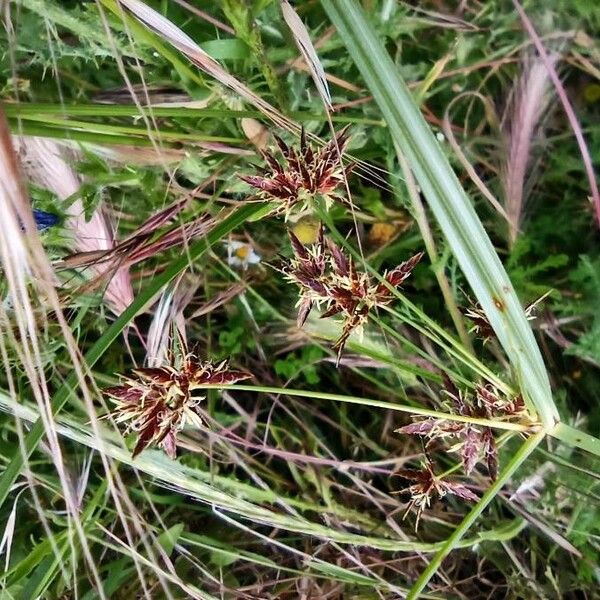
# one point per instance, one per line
(170, 537)
(233, 49)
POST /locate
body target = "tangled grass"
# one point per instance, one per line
(178, 422)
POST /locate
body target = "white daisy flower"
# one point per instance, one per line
(241, 254)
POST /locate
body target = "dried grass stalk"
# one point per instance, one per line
(30, 281)
(170, 33)
(529, 100)
(305, 45)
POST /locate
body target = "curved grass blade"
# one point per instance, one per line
(404, 408)
(449, 203)
(245, 501)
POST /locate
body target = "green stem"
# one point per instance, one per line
(412, 410)
(104, 128)
(23, 109)
(24, 127)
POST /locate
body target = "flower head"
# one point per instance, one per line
(303, 175)
(474, 441)
(157, 402)
(481, 325)
(328, 279)
(241, 254)
(44, 220)
(427, 485)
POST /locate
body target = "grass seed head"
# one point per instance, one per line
(157, 402)
(303, 175)
(426, 486)
(474, 442)
(481, 325)
(329, 280)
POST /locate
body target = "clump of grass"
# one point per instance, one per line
(287, 485)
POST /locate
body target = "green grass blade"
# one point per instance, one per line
(142, 34)
(576, 438)
(449, 203)
(196, 250)
(452, 542)
(232, 553)
(23, 109)
(412, 410)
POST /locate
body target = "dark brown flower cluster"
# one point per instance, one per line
(304, 175)
(481, 326)
(156, 403)
(427, 486)
(474, 441)
(329, 280)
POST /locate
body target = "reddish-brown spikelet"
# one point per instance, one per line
(481, 325)
(328, 278)
(427, 486)
(475, 441)
(303, 175)
(157, 402)
(146, 242)
(398, 275)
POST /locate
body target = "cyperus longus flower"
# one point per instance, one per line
(481, 325)
(328, 279)
(474, 441)
(426, 485)
(304, 175)
(157, 402)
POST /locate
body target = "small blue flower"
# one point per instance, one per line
(44, 220)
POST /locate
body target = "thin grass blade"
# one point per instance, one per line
(452, 542)
(305, 45)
